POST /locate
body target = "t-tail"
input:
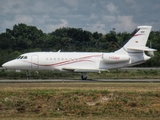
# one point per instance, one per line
(135, 48)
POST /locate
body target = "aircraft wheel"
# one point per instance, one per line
(84, 77)
(27, 75)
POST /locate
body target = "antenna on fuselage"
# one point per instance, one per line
(59, 50)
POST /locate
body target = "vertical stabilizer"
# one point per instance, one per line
(138, 41)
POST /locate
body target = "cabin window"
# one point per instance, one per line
(25, 57)
(71, 59)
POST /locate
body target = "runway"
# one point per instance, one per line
(76, 80)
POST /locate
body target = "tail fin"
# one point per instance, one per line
(140, 38)
(138, 41)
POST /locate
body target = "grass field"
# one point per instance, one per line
(80, 101)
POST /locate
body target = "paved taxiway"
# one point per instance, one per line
(76, 80)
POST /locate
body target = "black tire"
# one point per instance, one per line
(83, 78)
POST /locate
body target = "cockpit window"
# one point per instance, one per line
(25, 57)
(18, 57)
(22, 57)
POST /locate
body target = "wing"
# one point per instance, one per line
(81, 70)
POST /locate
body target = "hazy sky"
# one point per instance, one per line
(91, 15)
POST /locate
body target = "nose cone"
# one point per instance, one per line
(16, 65)
(4, 65)
(9, 65)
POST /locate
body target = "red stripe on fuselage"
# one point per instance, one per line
(74, 60)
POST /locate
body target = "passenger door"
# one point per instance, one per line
(34, 62)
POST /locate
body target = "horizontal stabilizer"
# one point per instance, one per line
(141, 49)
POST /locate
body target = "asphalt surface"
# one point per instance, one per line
(76, 80)
(89, 80)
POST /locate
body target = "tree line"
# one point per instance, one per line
(23, 38)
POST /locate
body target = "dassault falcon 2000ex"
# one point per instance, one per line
(132, 53)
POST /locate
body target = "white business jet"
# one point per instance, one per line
(132, 53)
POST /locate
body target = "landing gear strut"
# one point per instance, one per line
(83, 77)
(27, 75)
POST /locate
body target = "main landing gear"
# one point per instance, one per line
(27, 75)
(84, 77)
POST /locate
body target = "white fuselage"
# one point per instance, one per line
(73, 61)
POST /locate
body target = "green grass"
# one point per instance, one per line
(80, 100)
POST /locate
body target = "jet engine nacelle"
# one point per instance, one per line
(115, 58)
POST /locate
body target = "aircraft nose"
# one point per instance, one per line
(9, 65)
(5, 65)
(13, 65)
